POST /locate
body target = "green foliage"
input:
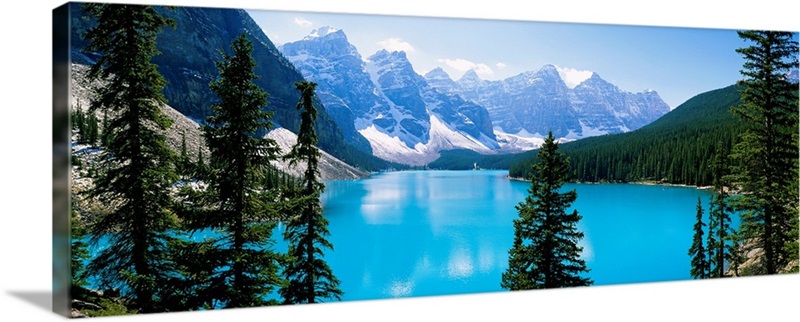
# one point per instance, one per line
(79, 251)
(200, 167)
(136, 169)
(236, 268)
(309, 277)
(78, 122)
(85, 126)
(720, 230)
(699, 268)
(105, 131)
(110, 307)
(92, 130)
(184, 166)
(545, 251)
(765, 161)
(676, 148)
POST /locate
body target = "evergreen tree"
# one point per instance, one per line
(697, 251)
(92, 130)
(78, 249)
(719, 252)
(184, 164)
(545, 252)
(200, 168)
(79, 123)
(737, 255)
(309, 277)
(241, 269)
(105, 131)
(137, 167)
(765, 159)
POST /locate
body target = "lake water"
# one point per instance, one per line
(420, 233)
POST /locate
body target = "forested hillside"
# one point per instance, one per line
(677, 148)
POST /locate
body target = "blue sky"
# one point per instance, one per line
(676, 62)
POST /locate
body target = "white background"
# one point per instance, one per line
(25, 218)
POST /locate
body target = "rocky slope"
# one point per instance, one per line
(331, 168)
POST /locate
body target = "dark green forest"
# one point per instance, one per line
(677, 148)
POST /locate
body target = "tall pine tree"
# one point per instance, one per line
(720, 231)
(697, 251)
(137, 168)
(545, 251)
(765, 159)
(310, 279)
(242, 269)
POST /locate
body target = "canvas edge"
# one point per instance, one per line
(61, 192)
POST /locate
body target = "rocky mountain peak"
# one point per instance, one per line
(437, 74)
(325, 31)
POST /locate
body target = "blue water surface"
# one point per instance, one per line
(419, 233)
(423, 233)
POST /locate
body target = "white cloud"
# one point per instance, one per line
(463, 65)
(501, 65)
(302, 22)
(573, 77)
(396, 44)
(483, 70)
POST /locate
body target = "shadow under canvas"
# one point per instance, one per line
(40, 299)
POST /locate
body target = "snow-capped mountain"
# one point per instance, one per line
(532, 103)
(793, 75)
(395, 109)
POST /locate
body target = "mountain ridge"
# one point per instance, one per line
(404, 119)
(187, 62)
(593, 107)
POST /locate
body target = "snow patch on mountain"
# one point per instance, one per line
(391, 148)
(442, 137)
(512, 143)
(587, 131)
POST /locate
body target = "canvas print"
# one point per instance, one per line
(225, 158)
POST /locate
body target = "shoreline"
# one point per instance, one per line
(645, 183)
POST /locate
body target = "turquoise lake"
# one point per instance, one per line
(424, 233)
(421, 233)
